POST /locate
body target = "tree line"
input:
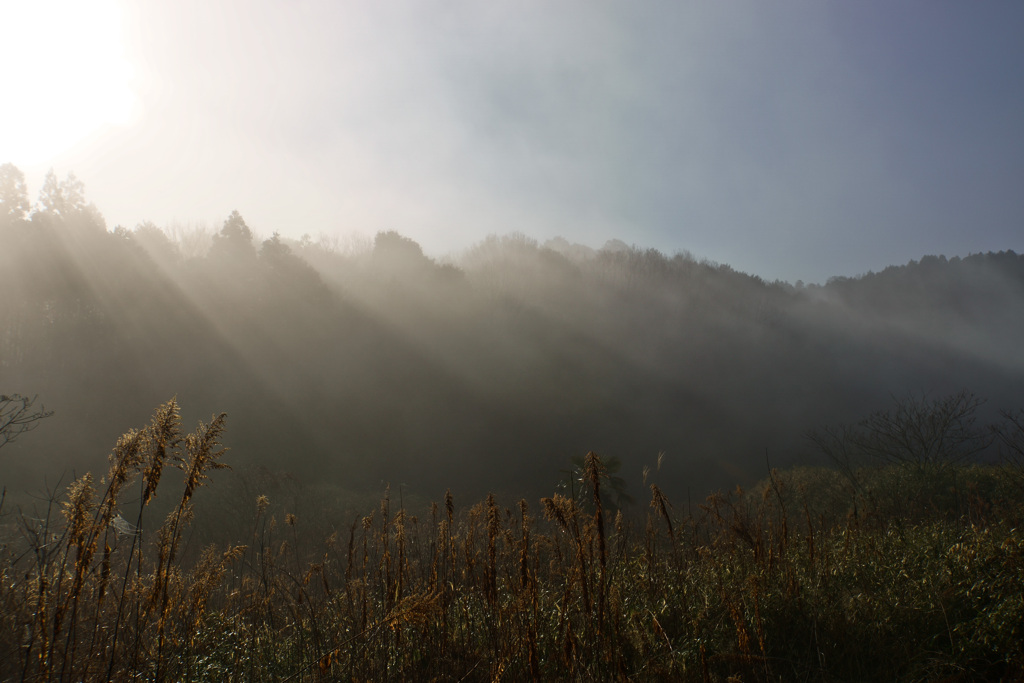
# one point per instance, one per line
(488, 369)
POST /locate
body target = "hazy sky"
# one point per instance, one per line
(788, 139)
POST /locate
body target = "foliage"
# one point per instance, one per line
(790, 581)
(393, 365)
(64, 200)
(578, 486)
(234, 241)
(88, 600)
(381, 363)
(14, 204)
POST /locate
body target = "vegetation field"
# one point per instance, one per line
(899, 569)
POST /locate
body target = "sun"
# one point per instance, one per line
(65, 76)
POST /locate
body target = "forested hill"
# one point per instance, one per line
(486, 372)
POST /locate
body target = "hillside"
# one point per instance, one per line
(488, 371)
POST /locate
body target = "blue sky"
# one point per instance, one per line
(794, 140)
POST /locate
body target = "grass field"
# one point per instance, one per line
(886, 572)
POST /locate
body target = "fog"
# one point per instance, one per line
(365, 364)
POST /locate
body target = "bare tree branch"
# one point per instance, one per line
(1010, 434)
(926, 433)
(922, 433)
(18, 415)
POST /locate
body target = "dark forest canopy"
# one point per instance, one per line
(490, 370)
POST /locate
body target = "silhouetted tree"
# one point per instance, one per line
(234, 239)
(274, 251)
(155, 242)
(61, 198)
(1011, 443)
(65, 200)
(392, 251)
(920, 433)
(14, 203)
(290, 275)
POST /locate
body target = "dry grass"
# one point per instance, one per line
(799, 580)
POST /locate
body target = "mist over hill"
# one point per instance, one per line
(487, 371)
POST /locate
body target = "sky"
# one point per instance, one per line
(791, 139)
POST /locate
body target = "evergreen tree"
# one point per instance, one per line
(66, 201)
(14, 204)
(234, 240)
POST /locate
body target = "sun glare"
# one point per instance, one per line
(66, 76)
